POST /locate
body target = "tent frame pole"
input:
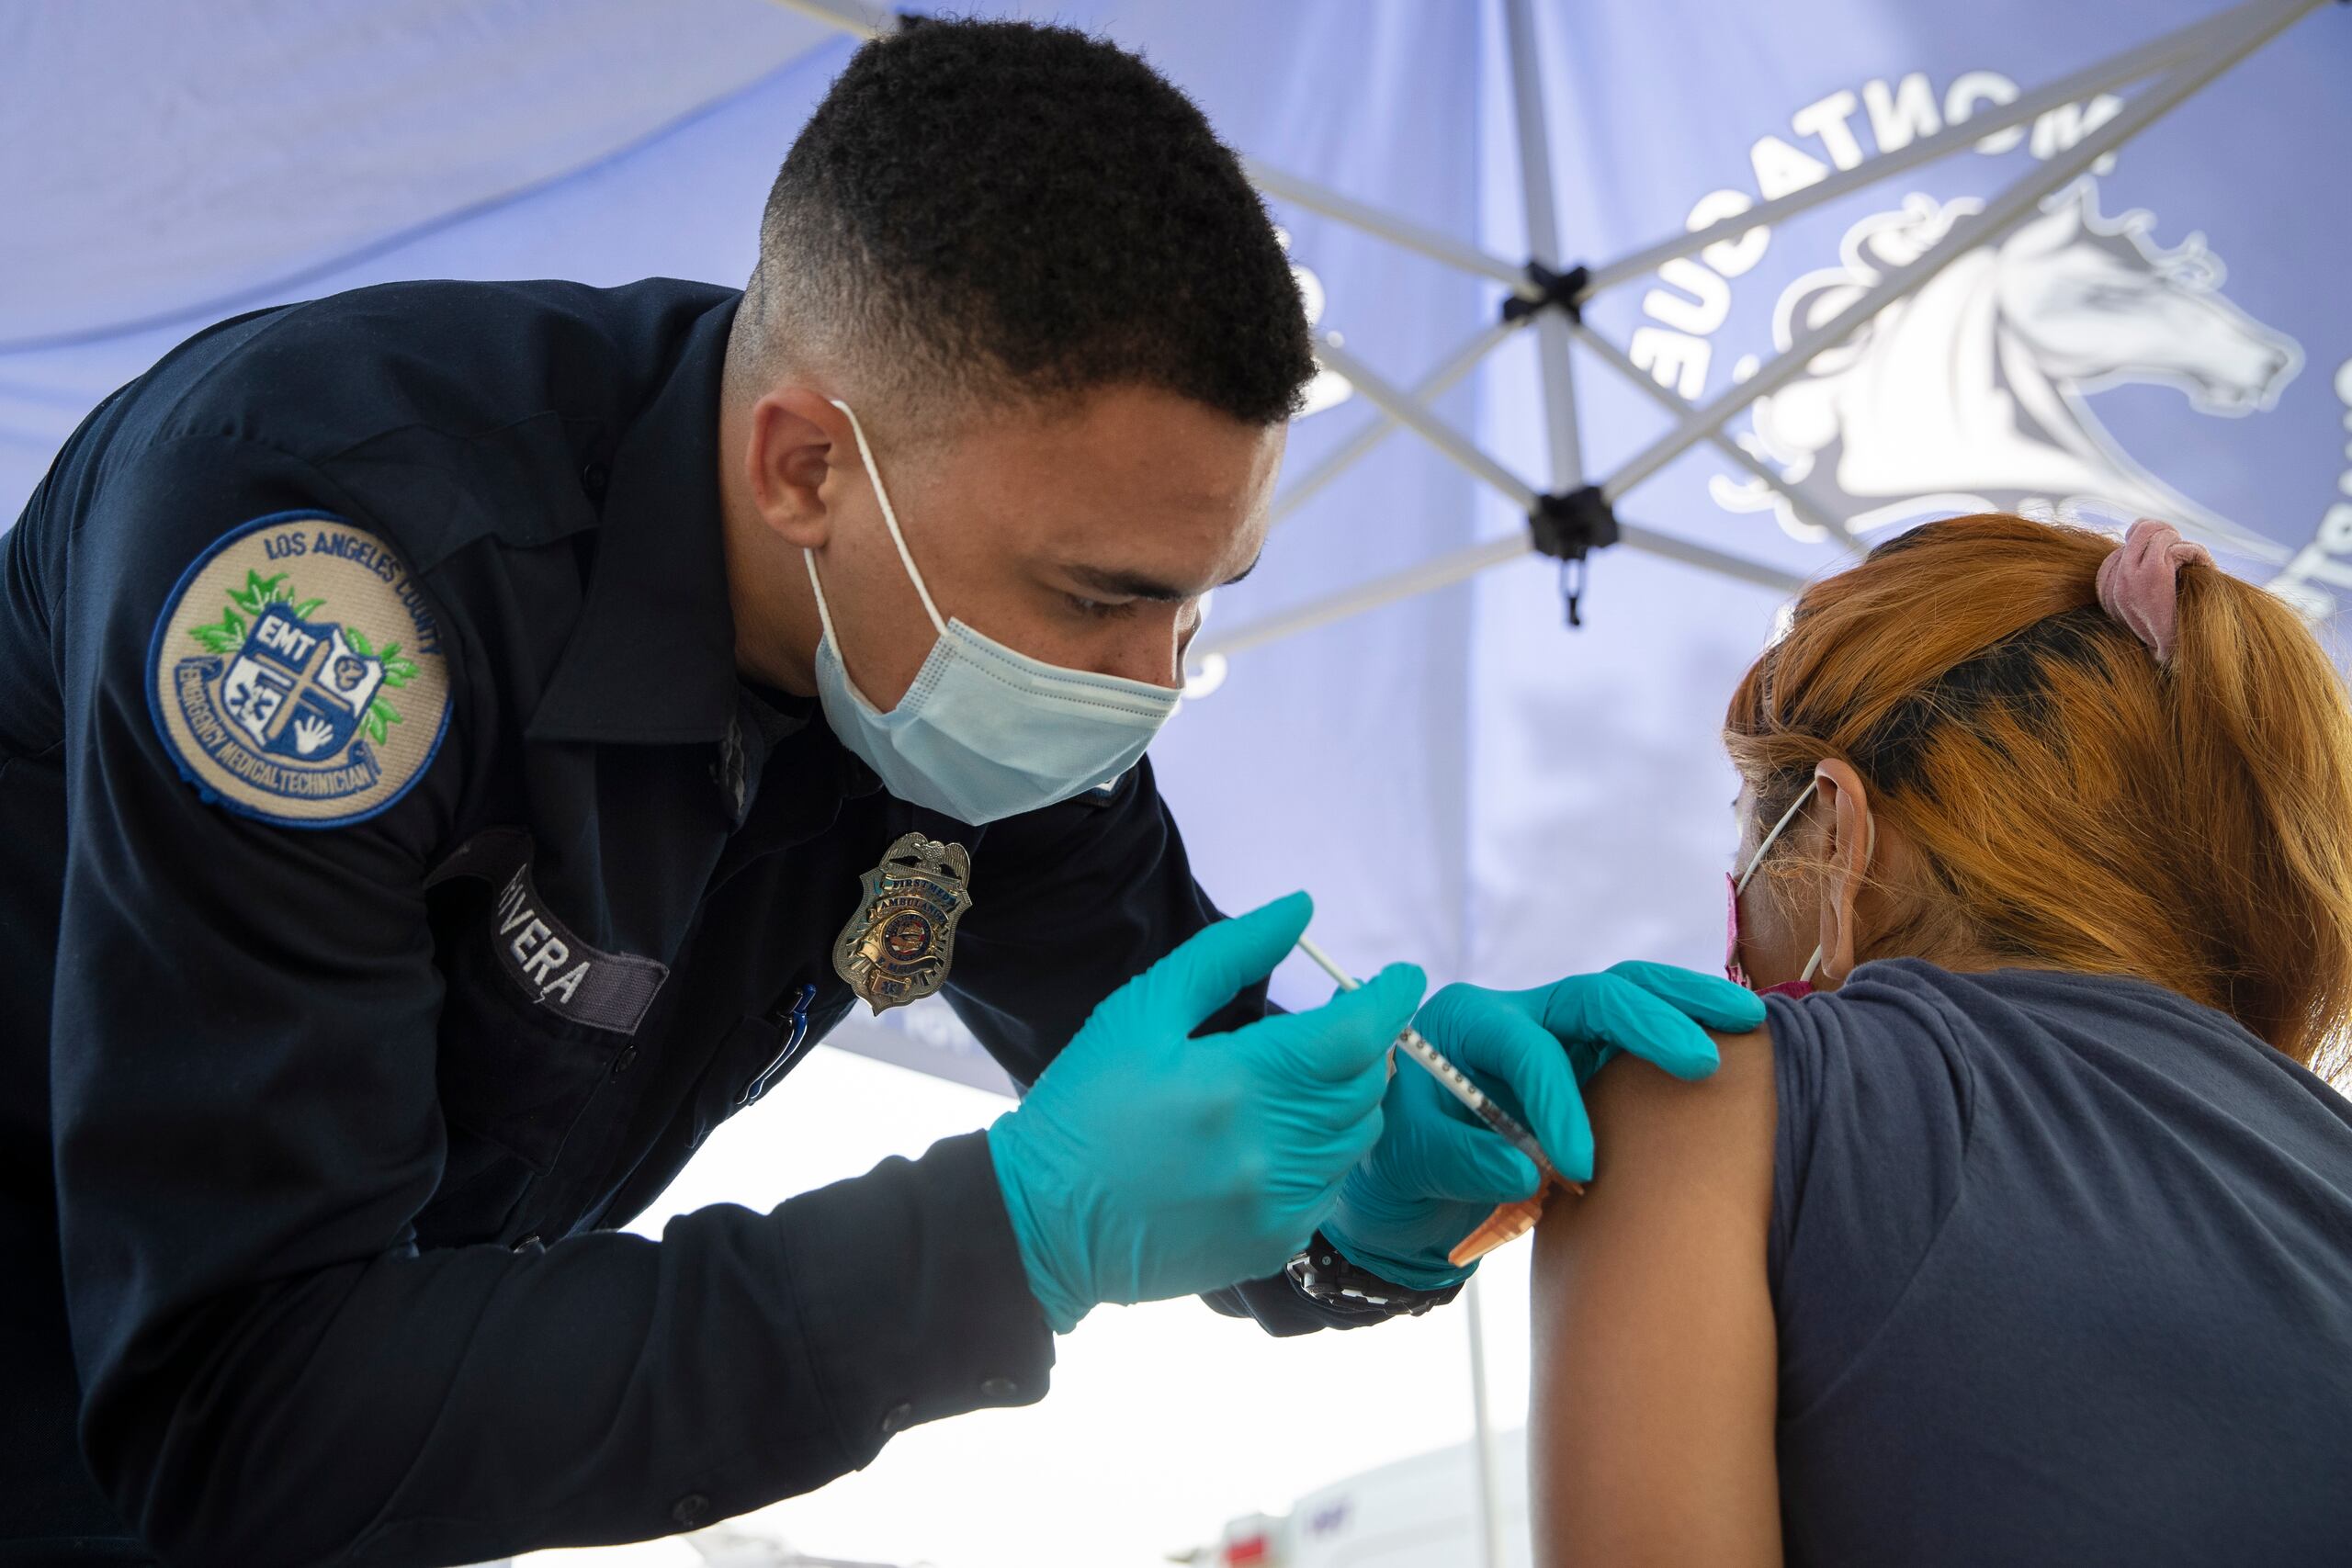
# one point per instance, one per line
(1425, 577)
(1706, 423)
(2003, 213)
(1402, 233)
(1482, 1432)
(2195, 54)
(1419, 418)
(1425, 391)
(2178, 46)
(863, 21)
(1642, 381)
(1460, 566)
(1554, 371)
(2175, 47)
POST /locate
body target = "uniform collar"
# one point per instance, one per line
(651, 659)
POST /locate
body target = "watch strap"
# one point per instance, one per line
(1322, 1273)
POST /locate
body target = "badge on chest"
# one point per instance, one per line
(898, 945)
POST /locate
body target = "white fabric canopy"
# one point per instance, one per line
(1459, 780)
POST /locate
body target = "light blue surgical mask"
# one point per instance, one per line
(986, 731)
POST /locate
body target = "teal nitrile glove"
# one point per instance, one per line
(1146, 1165)
(1438, 1171)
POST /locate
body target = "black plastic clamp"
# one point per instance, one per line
(1564, 290)
(1568, 528)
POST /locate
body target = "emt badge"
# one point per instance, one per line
(898, 947)
(297, 675)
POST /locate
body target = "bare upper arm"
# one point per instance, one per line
(1652, 1415)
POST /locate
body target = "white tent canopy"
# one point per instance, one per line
(1727, 195)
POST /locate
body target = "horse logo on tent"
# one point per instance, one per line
(1972, 395)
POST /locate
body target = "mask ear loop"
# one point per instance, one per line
(1803, 795)
(824, 611)
(889, 520)
(1870, 852)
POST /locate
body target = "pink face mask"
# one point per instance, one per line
(1734, 885)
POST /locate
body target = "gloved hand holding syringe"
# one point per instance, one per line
(1153, 1158)
(1509, 1221)
(1442, 1188)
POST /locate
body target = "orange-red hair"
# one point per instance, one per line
(2075, 803)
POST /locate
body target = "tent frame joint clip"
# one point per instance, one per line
(1568, 528)
(1564, 291)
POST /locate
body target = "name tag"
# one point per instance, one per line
(555, 966)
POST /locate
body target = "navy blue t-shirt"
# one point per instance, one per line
(2062, 1270)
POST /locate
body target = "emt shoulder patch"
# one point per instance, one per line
(297, 674)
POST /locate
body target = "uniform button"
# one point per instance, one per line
(691, 1510)
(895, 1419)
(999, 1388)
(625, 1061)
(594, 477)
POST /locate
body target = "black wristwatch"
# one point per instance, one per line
(1322, 1274)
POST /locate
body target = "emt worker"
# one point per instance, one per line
(462, 741)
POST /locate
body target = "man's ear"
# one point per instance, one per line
(1852, 841)
(796, 442)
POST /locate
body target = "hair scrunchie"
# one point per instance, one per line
(2138, 583)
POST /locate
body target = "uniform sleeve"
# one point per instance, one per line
(245, 1121)
(1072, 903)
(1874, 1094)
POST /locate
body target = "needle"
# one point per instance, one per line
(1456, 1080)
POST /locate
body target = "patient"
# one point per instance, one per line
(2027, 1235)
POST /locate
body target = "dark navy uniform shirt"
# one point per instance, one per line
(2061, 1265)
(397, 885)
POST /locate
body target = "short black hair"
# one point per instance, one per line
(1010, 208)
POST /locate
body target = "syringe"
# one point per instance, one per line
(1509, 1221)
